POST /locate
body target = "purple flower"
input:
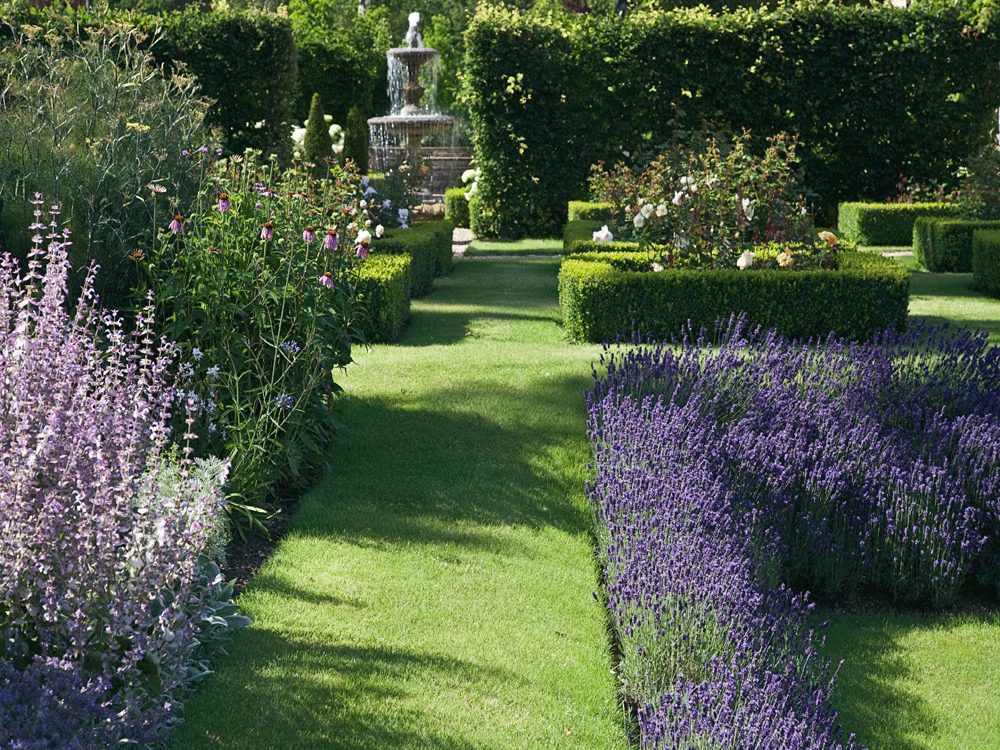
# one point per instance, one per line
(330, 241)
(185, 153)
(292, 347)
(362, 251)
(326, 280)
(224, 204)
(308, 234)
(177, 225)
(203, 149)
(285, 401)
(267, 231)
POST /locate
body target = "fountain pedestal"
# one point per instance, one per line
(412, 123)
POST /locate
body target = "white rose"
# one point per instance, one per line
(468, 175)
(639, 221)
(661, 210)
(687, 180)
(363, 204)
(678, 198)
(647, 210)
(379, 230)
(364, 237)
(748, 208)
(328, 118)
(745, 261)
(473, 189)
(603, 235)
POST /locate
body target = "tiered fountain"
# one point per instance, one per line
(408, 123)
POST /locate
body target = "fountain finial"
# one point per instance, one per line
(413, 33)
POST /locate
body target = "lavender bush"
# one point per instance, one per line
(730, 476)
(108, 605)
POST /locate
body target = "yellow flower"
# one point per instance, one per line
(828, 237)
(138, 127)
(785, 259)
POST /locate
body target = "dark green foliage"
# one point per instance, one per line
(356, 137)
(943, 245)
(879, 224)
(456, 207)
(243, 60)
(343, 73)
(383, 289)
(318, 145)
(429, 246)
(589, 210)
(986, 261)
(979, 196)
(605, 295)
(870, 91)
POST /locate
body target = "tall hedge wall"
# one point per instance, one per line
(872, 91)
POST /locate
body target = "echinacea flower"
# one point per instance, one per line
(155, 188)
(267, 231)
(223, 205)
(744, 261)
(330, 241)
(177, 225)
(308, 234)
(326, 280)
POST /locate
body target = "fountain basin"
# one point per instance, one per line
(412, 124)
(414, 55)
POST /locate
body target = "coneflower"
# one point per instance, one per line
(330, 242)
(177, 225)
(308, 234)
(224, 204)
(267, 231)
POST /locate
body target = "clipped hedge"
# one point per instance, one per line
(986, 261)
(871, 91)
(881, 224)
(578, 237)
(945, 245)
(589, 211)
(342, 73)
(456, 207)
(429, 246)
(604, 296)
(383, 289)
(245, 61)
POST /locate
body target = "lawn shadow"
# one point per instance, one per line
(324, 696)
(871, 693)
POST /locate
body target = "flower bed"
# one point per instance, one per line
(607, 295)
(729, 477)
(946, 244)
(881, 224)
(111, 602)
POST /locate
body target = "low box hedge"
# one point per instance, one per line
(880, 224)
(590, 211)
(604, 296)
(383, 289)
(986, 261)
(946, 244)
(578, 237)
(456, 207)
(428, 244)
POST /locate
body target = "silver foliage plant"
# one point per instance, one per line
(110, 603)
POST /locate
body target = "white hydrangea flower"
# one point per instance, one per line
(469, 175)
(744, 261)
(603, 235)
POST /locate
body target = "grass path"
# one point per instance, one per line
(435, 591)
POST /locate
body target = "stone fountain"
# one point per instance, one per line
(409, 122)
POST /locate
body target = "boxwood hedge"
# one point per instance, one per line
(383, 287)
(604, 296)
(880, 224)
(590, 210)
(946, 244)
(986, 261)
(456, 207)
(870, 90)
(428, 244)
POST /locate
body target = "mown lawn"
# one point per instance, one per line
(514, 248)
(918, 681)
(436, 590)
(948, 297)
